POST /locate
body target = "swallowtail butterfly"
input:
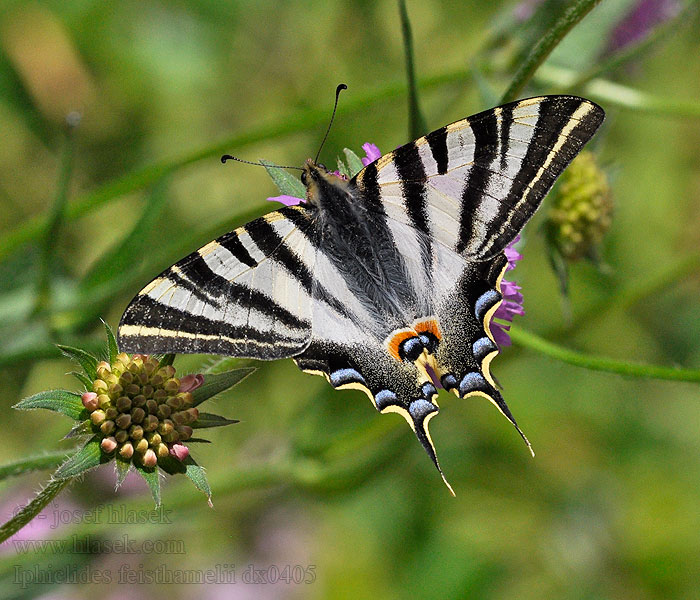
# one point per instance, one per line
(386, 282)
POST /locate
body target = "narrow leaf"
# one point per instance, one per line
(171, 465)
(354, 163)
(60, 401)
(285, 181)
(112, 348)
(193, 440)
(86, 360)
(88, 457)
(198, 477)
(343, 168)
(168, 359)
(416, 122)
(84, 428)
(153, 480)
(217, 383)
(82, 378)
(122, 467)
(206, 420)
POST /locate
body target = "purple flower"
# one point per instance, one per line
(372, 153)
(639, 22)
(512, 300)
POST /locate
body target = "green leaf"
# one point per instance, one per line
(122, 467)
(86, 360)
(168, 359)
(153, 480)
(128, 252)
(82, 378)
(206, 420)
(416, 122)
(112, 348)
(171, 465)
(88, 457)
(343, 168)
(84, 428)
(193, 440)
(354, 162)
(198, 477)
(217, 383)
(60, 401)
(285, 181)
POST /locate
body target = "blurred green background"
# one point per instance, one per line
(610, 506)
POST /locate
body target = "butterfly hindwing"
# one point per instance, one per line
(248, 293)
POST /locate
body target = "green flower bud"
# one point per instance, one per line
(99, 386)
(133, 389)
(127, 451)
(154, 439)
(123, 421)
(115, 391)
(166, 427)
(172, 385)
(108, 445)
(162, 451)
(97, 417)
(138, 414)
(123, 403)
(107, 427)
(136, 432)
(179, 418)
(167, 372)
(141, 446)
(192, 414)
(110, 379)
(175, 403)
(157, 380)
(185, 432)
(123, 358)
(121, 436)
(126, 378)
(151, 406)
(147, 391)
(104, 401)
(150, 423)
(139, 400)
(164, 411)
(160, 395)
(111, 412)
(187, 399)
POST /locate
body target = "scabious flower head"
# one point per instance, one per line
(581, 211)
(139, 409)
(512, 303)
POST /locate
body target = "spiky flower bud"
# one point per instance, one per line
(581, 213)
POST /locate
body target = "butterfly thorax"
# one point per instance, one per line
(359, 247)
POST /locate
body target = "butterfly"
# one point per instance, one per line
(386, 282)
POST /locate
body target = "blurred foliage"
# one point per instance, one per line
(609, 506)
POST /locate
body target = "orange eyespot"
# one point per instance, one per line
(428, 326)
(394, 342)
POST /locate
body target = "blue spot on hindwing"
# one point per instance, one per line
(484, 302)
(345, 376)
(473, 382)
(419, 409)
(482, 347)
(385, 398)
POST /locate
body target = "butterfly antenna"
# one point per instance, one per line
(226, 157)
(339, 89)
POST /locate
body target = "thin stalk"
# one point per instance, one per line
(33, 463)
(416, 121)
(543, 48)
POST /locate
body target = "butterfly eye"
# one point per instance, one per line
(303, 178)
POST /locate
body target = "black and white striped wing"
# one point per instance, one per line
(247, 293)
(473, 185)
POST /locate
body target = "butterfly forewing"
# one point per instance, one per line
(248, 293)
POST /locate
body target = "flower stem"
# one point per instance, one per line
(416, 122)
(545, 45)
(52, 489)
(599, 363)
(32, 463)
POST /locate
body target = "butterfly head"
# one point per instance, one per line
(321, 183)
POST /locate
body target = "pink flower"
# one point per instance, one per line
(512, 299)
(372, 153)
(179, 451)
(286, 200)
(191, 382)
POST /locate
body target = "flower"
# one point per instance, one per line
(135, 412)
(639, 22)
(372, 153)
(512, 303)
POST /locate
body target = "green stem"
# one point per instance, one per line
(545, 45)
(416, 122)
(599, 363)
(54, 224)
(52, 489)
(32, 463)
